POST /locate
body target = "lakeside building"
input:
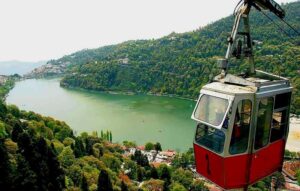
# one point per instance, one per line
(3, 79)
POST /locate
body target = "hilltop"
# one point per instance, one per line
(180, 64)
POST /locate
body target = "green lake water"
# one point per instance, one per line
(139, 118)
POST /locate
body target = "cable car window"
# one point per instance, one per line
(264, 118)
(211, 109)
(241, 126)
(210, 138)
(279, 123)
(282, 100)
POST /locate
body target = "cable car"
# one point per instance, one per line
(242, 120)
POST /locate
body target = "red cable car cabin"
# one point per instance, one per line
(243, 121)
(242, 128)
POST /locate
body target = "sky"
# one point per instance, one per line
(34, 30)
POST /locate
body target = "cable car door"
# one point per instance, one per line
(270, 136)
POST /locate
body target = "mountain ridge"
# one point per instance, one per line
(180, 64)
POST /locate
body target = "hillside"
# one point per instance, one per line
(18, 67)
(41, 153)
(179, 64)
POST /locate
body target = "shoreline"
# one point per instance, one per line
(292, 144)
(114, 92)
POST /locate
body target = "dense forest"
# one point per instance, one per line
(180, 64)
(41, 153)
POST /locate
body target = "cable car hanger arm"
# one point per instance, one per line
(243, 13)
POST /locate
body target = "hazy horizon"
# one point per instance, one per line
(34, 30)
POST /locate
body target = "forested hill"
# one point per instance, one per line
(179, 64)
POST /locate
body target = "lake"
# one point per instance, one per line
(139, 118)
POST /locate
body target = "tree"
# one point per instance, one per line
(79, 150)
(14, 110)
(177, 187)
(63, 133)
(124, 186)
(149, 146)
(131, 168)
(298, 176)
(153, 173)
(98, 150)
(3, 109)
(3, 133)
(104, 182)
(140, 173)
(165, 175)
(184, 177)
(89, 142)
(157, 146)
(17, 130)
(75, 173)
(198, 185)
(110, 136)
(5, 167)
(66, 157)
(129, 144)
(84, 185)
(140, 159)
(102, 134)
(26, 178)
(68, 142)
(56, 173)
(153, 184)
(111, 162)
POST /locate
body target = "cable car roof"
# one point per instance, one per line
(262, 82)
(229, 88)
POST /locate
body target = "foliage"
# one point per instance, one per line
(140, 159)
(265, 184)
(104, 182)
(180, 64)
(184, 177)
(198, 185)
(66, 157)
(165, 175)
(298, 176)
(153, 185)
(149, 146)
(184, 160)
(129, 144)
(157, 146)
(8, 85)
(175, 186)
(106, 135)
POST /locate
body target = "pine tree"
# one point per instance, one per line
(3, 109)
(140, 174)
(26, 178)
(5, 168)
(79, 150)
(157, 146)
(166, 177)
(56, 173)
(124, 186)
(39, 162)
(16, 132)
(104, 182)
(84, 185)
(110, 136)
(154, 173)
(102, 136)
